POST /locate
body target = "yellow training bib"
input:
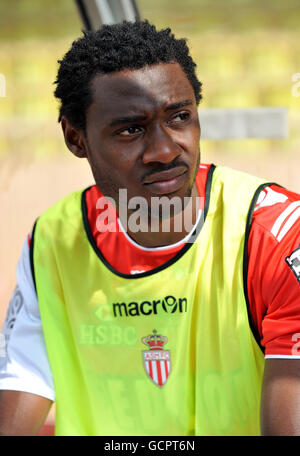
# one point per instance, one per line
(168, 352)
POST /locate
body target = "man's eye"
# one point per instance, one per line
(130, 131)
(180, 117)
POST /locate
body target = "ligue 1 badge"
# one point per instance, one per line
(157, 361)
(294, 262)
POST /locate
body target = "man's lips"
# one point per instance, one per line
(166, 175)
(168, 181)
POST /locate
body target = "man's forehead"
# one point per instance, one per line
(152, 86)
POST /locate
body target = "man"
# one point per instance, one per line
(132, 328)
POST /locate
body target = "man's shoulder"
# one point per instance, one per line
(277, 211)
(70, 202)
(66, 212)
(229, 173)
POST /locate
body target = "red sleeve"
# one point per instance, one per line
(274, 271)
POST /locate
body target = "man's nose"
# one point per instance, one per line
(160, 146)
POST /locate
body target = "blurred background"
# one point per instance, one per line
(247, 54)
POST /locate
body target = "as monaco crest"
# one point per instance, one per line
(157, 361)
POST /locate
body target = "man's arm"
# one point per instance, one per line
(26, 383)
(22, 413)
(280, 401)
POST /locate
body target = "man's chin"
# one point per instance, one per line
(170, 204)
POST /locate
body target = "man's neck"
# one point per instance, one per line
(171, 230)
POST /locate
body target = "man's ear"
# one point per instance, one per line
(74, 139)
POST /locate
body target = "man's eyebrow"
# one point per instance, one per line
(131, 119)
(125, 120)
(180, 104)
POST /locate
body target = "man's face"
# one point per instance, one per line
(143, 133)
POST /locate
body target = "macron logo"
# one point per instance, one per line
(169, 305)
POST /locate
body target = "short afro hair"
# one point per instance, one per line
(112, 48)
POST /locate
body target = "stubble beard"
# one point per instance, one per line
(166, 211)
